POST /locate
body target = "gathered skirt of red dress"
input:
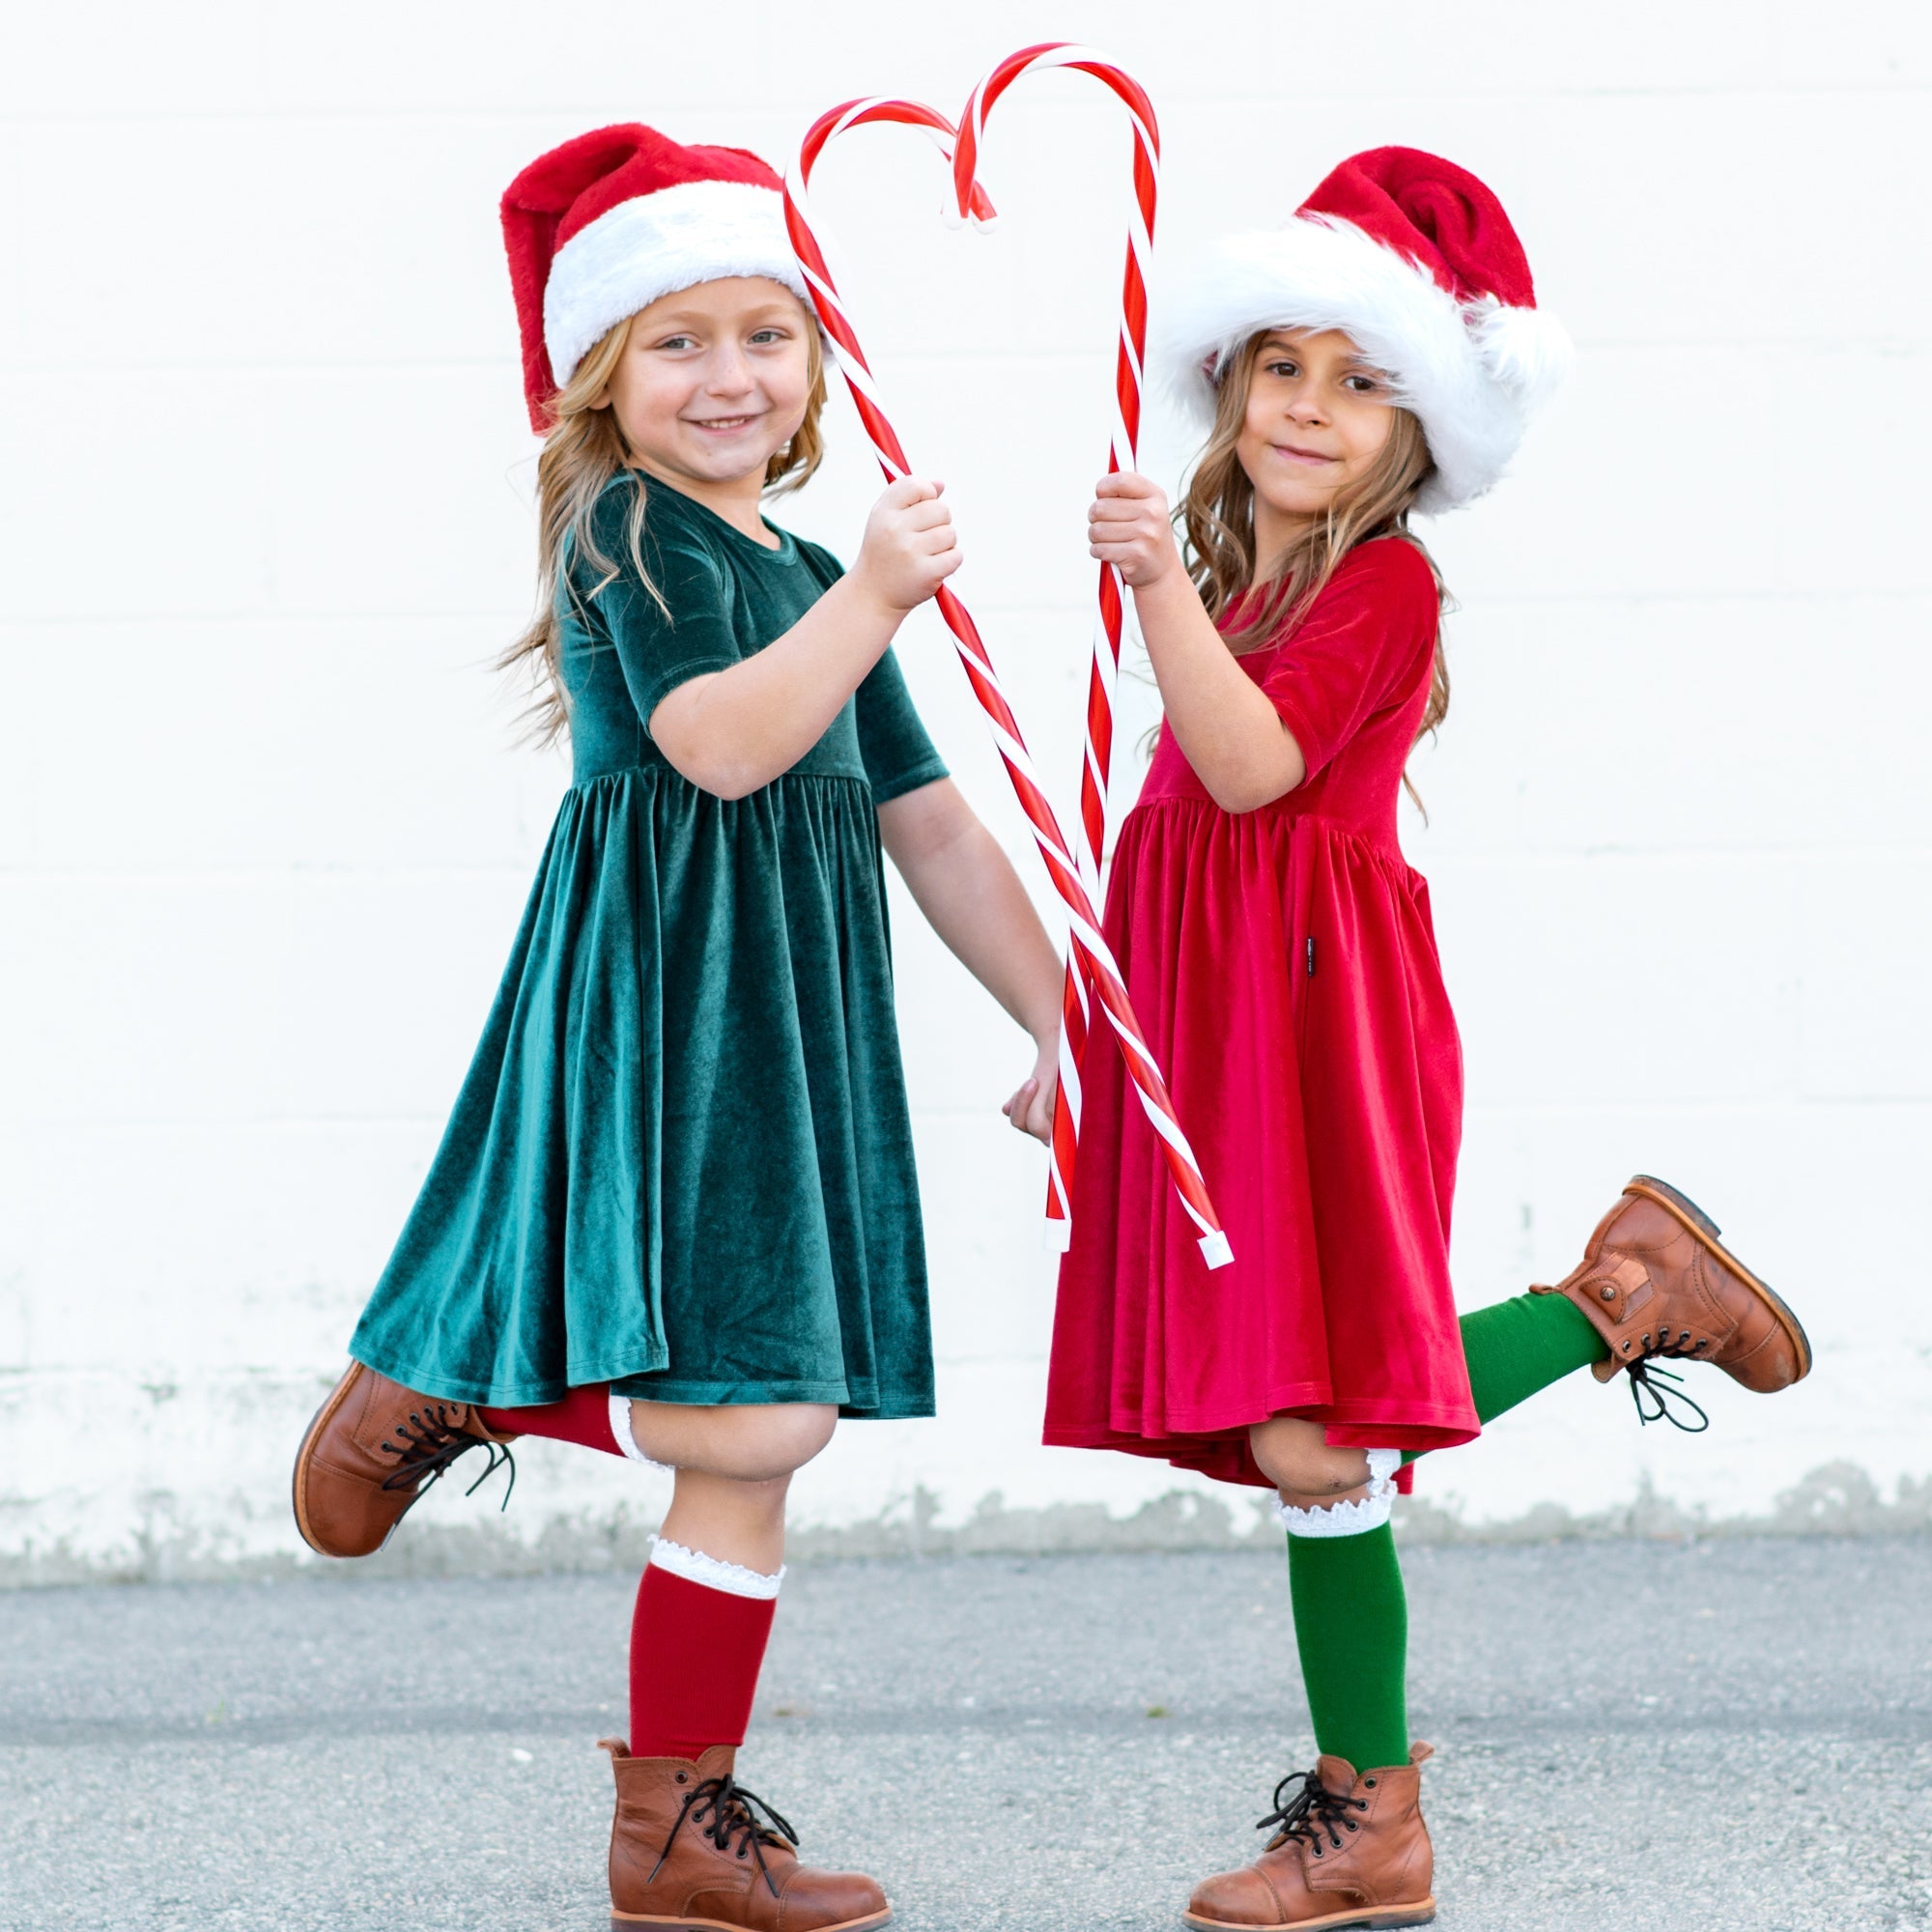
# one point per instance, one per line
(1284, 966)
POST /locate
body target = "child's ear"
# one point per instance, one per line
(600, 400)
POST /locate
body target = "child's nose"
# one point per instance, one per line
(730, 373)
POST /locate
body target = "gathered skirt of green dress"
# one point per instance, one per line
(681, 1161)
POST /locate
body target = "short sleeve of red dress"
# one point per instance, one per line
(1356, 650)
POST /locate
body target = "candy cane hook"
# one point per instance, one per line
(1088, 946)
(1098, 751)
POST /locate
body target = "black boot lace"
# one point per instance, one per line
(1313, 1813)
(429, 1442)
(721, 1809)
(1663, 1387)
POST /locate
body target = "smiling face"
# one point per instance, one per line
(713, 381)
(1318, 417)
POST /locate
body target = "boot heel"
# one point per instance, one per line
(1682, 1201)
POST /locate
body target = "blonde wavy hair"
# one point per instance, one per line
(584, 448)
(1217, 519)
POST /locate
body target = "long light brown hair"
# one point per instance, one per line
(1217, 516)
(582, 449)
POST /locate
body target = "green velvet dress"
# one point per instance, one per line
(681, 1161)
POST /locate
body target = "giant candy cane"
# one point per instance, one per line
(1098, 751)
(1088, 945)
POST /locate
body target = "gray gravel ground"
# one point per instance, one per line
(1724, 1734)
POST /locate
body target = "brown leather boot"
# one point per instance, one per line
(371, 1450)
(1350, 1849)
(1655, 1280)
(687, 1850)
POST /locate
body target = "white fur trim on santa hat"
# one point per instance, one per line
(1473, 375)
(653, 245)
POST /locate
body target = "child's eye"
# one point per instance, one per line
(677, 342)
(1286, 369)
(768, 335)
(1363, 385)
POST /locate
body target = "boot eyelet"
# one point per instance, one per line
(1369, 1782)
(680, 1777)
(1351, 1824)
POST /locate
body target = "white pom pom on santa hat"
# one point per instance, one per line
(1413, 259)
(603, 225)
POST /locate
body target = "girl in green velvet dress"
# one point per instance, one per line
(674, 1214)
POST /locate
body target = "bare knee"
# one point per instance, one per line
(767, 1443)
(1298, 1460)
(749, 1443)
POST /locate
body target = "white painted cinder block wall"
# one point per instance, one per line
(265, 831)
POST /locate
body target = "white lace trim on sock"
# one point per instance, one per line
(620, 1431)
(1349, 1519)
(713, 1572)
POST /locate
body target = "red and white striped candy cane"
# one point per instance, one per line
(1097, 756)
(1102, 971)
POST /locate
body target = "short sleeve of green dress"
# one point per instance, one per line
(681, 1161)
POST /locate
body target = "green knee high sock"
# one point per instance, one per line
(1517, 1347)
(1351, 1629)
(1351, 1613)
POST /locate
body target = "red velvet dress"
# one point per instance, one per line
(1284, 965)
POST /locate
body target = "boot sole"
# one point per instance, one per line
(298, 1485)
(1374, 1917)
(620, 1919)
(1691, 1216)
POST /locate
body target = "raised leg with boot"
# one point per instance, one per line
(371, 1451)
(1655, 1281)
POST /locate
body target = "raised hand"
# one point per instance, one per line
(1127, 526)
(909, 549)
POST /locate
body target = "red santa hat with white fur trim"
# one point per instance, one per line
(1414, 259)
(603, 225)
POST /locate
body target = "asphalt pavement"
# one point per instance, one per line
(1724, 1734)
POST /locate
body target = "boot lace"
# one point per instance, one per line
(1310, 1814)
(428, 1442)
(1653, 1390)
(722, 1809)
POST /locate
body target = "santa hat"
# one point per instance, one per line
(1414, 259)
(603, 225)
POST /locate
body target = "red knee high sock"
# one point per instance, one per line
(697, 1640)
(696, 1650)
(582, 1416)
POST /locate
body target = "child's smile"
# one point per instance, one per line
(712, 382)
(1317, 416)
(1312, 459)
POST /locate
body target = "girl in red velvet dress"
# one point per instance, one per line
(1379, 355)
